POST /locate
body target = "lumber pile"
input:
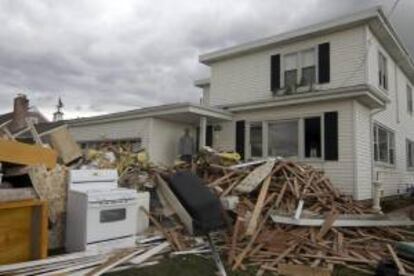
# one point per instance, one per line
(299, 191)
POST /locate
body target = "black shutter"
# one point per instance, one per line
(197, 145)
(209, 136)
(324, 63)
(275, 73)
(331, 136)
(240, 131)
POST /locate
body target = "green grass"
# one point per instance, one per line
(192, 265)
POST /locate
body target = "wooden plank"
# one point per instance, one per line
(253, 179)
(251, 227)
(327, 224)
(152, 252)
(25, 154)
(113, 262)
(234, 238)
(220, 180)
(175, 204)
(397, 261)
(341, 221)
(64, 143)
(301, 270)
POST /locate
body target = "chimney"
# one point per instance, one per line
(20, 112)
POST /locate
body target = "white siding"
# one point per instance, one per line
(363, 153)
(125, 129)
(164, 141)
(247, 78)
(341, 172)
(395, 116)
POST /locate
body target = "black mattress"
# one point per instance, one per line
(202, 205)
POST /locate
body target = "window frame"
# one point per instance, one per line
(299, 66)
(390, 146)
(301, 137)
(299, 148)
(383, 83)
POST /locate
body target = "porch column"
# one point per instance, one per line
(203, 132)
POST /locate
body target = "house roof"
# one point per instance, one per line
(185, 112)
(374, 17)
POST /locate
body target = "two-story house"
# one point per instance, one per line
(337, 95)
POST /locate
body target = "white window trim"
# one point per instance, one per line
(382, 163)
(299, 65)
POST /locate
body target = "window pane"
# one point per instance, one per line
(283, 139)
(383, 144)
(112, 215)
(290, 78)
(313, 137)
(308, 75)
(391, 147)
(409, 154)
(308, 58)
(256, 139)
(376, 157)
(290, 62)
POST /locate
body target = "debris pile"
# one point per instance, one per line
(277, 196)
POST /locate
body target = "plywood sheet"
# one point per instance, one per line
(64, 143)
(253, 179)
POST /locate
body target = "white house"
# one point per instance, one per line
(337, 95)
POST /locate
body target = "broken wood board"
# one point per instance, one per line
(148, 254)
(251, 227)
(113, 262)
(302, 270)
(175, 204)
(253, 179)
(52, 185)
(64, 143)
(342, 221)
(25, 154)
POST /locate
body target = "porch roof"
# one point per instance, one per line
(180, 112)
(366, 94)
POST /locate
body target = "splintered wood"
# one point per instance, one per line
(299, 192)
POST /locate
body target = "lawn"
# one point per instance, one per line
(198, 266)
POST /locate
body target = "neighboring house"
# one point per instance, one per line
(156, 129)
(337, 95)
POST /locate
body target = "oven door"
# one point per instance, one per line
(111, 220)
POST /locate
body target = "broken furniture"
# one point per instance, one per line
(198, 208)
(23, 231)
(99, 212)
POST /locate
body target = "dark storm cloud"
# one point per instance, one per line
(103, 55)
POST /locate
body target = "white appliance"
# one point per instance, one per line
(99, 211)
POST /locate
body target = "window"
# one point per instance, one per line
(313, 141)
(382, 71)
(308, 67)
(300, 66)
(384, 145)
(410, 154)
(283, 138)
(291, 70)
(409, 99)
(256, 138)
(112, 215)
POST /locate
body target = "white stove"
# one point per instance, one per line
(99, 211)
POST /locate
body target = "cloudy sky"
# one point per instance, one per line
(103, 56)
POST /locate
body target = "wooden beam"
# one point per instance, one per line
(302, 270)
(251, 227)
(397, 261)
(25, 154)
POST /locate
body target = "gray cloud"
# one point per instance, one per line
(103, 56)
